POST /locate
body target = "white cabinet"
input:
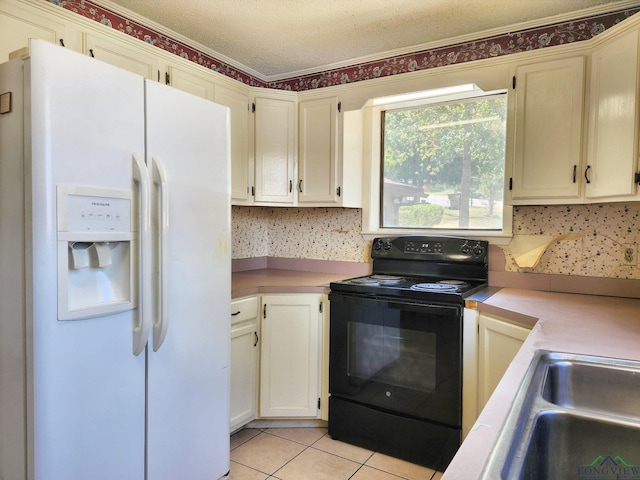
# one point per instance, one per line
(275, 150)
(241, 161)
(318, 167)
(20, 22)
(330, 156)
(191, 80)
(121, 53)
(290, 371)
(547, 131)
(498, 343)
(244, 361)
(613, 120)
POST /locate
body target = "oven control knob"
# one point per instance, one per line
(478, 250)
(465, 248)
(387, 245)
(378, 244)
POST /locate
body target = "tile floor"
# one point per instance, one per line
(311, 454)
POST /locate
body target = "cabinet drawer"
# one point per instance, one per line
(244, 309)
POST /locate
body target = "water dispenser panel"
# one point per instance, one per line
(96, 251)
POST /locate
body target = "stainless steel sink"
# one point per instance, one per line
(574, 417)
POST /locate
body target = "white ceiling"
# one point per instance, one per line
(277, 39)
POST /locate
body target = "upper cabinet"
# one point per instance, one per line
(330, 158)
(577, 141)
(120, 53)
(20, 22)
(547, 126)
(242, 187)
(275, 150)
(318, 164)
(611, 161)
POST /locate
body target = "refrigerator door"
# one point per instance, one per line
(87, 388)
(188, 364)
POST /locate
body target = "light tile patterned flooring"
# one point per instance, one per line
(311, 454)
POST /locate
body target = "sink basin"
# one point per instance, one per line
(574, 417)
(604, 387)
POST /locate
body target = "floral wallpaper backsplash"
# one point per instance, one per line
(310, 233)
(600, 237)
(499, 45)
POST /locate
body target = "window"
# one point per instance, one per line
(442, 163)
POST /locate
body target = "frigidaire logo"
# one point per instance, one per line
(101, 204)
(608, 468)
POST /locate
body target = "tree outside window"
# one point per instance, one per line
(443, 165)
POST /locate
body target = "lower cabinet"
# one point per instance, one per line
(243, 371)
(498, 343)
(290, 355)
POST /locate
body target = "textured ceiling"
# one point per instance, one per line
(281, 38)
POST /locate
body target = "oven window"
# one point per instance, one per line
(392, 356)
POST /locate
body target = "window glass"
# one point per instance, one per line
(443, 163)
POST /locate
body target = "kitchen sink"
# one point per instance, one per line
(574, 417)
(608, 386)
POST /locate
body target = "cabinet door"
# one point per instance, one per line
(498, 344)
(244, 361)
(189, 81)
(289, 356)
(241, 171)
(275, 132)
(318, 160)
(243, 374)
(120, 54)
(18, 25)
(611, 155)
(548, 130)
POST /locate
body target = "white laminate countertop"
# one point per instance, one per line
(583, 324)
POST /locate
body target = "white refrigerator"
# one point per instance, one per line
(115, 275)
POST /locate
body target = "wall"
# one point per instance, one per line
(311, 233)
(602, 232)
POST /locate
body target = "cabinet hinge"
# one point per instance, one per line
(167, 79)
(339, 107)
(510, 183)
(637, 178)
(320, 307)
(513, 82)
(253, 107)
(318, 404)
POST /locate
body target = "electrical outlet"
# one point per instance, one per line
(629, 254)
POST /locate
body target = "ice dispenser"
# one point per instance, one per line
(96, 252)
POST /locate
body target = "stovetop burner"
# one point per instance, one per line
(434, 287)
(378, 280)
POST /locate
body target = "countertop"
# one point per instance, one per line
(271, 280)
(583, 324)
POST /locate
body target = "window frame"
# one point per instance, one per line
(371, 221)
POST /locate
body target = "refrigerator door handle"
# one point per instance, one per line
(162, 322)
(143, 325)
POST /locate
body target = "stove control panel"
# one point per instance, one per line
(441, 249)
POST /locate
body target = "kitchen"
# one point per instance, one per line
(266, 233)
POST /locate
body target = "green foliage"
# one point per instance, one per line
(457, 145)
(420, 215)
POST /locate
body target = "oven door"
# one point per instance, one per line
(397, 356)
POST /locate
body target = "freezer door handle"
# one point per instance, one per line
(144, 320)
(161, 323)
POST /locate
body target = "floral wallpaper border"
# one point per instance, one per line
(506, 44)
